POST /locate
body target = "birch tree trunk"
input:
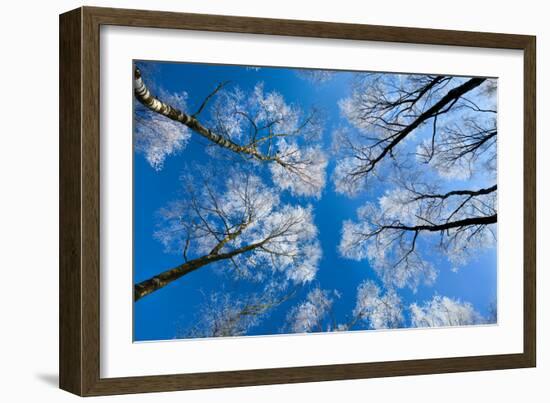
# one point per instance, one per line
(144, 96)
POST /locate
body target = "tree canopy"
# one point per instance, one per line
(402, 166)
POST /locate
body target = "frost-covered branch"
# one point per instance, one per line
(443, 312)
(238, 221)
(458, 223)
(385, 111)
(224, 314)
(258, 126)
(311, 315)
(377, 310)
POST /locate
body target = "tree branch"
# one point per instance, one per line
(485, 220)
(144, 96)
(450, 98)
(443, 196)
(209, 97)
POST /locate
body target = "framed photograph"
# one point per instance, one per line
(249, 201)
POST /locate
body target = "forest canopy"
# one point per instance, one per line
(279, 200)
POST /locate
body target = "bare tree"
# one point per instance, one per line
(444, 311)
(313, 314)
(390, 114)
(458, 224)
(257, 126)
(452, 120)
(225, 314)
(379, 311)
(239, 222)
(373, 309)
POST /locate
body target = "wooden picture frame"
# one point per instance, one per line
(80, 200)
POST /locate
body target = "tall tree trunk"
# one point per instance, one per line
(144, 96)
(155, 283)
(160, 280)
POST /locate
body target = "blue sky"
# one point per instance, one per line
(164, 313)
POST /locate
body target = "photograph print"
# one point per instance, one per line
(272, 200)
